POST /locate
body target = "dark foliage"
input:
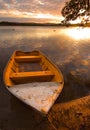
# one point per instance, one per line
(76, 8)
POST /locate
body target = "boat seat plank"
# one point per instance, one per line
(27, 58)
(39, 75)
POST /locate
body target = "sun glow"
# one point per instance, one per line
(78, 33)
(48, 16)
(78, 20)
(40, 15)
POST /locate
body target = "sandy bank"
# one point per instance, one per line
(74, 115)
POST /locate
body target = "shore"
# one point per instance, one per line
(74, 115)
(6, 23)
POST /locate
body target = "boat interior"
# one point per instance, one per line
(31, 67)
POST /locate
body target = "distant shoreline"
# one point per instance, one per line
(42, 24)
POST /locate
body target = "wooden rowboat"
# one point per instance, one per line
(34, 79)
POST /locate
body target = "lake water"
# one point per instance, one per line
(68, 48)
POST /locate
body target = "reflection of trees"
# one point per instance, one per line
(76, 8)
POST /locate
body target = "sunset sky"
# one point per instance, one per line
(31, 10)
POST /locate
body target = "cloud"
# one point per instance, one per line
(38, 20)
(40, 2)
(31, 8)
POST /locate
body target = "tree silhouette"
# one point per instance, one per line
(76, 8)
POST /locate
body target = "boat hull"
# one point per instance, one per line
(33, 79)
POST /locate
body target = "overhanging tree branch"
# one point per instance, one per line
(76, 8)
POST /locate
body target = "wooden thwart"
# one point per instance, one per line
(27, 58)
(38, 74)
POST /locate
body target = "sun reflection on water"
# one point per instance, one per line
(78, 33)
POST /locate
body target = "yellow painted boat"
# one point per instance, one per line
(34, 79)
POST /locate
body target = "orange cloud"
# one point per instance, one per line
(32, 9)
